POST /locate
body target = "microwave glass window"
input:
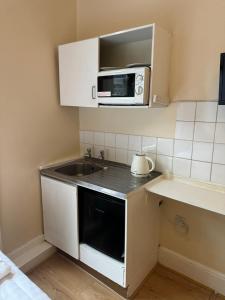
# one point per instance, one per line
(117, 85)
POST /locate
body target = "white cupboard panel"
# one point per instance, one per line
(78, 67)
(103, 264)
(60, 215)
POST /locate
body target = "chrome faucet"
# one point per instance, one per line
(88, 153)
(102, 154)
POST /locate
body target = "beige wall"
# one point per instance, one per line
(34, 129)
(198, 28)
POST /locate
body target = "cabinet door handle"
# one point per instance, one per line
(93, 92)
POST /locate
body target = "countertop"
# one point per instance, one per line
(114, 179)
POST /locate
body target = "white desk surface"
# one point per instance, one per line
(204, 195)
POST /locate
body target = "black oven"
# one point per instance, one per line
(102, 222)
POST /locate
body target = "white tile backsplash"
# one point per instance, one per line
(89, 137)
(206, 111)
(110, 139)
(99, 138)
(219, 153)
(184, 130)
(198, 149)
(204, 132)
(122, 141)
(221, 113)
(149, 144)
(218, 174)
(134, 143)
(82, 137)
(183, 149)
(165, 146)
(164, 163)
(202, 151)
(186, 111)
(220, 133)
(121, 156)
(110, 153)
(200, 170)
(182, 167)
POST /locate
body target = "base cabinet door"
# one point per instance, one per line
(59, 202)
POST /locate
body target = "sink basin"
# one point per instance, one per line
(78, 169)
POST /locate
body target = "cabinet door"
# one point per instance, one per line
(59, 202)
(78, 68)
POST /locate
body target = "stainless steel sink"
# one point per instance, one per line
(78, 169)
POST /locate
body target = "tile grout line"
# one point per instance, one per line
(193, 135)
(214, 136)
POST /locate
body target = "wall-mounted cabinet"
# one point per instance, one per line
(80, 62)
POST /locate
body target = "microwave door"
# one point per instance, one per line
(116, 89)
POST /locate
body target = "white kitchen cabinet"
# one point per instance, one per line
(60, 215)
(80, 62)
(78, 68)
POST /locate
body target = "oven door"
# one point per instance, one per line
(102, 222)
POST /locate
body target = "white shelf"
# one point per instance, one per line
(204, 195)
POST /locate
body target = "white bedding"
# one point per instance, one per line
(17, 286)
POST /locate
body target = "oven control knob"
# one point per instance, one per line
(139, 78)
(139, 90)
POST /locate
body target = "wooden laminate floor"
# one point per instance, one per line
(63, 280)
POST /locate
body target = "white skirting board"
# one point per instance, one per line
(32, 253)
(192, 269)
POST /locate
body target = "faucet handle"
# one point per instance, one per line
(88, 153)
(102, 154)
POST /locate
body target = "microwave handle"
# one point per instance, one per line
(93, 91)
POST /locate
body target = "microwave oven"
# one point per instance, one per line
(128, 86)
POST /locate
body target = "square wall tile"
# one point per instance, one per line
(186, 111)
(164, 163)
(206, 111)
(110, 153)
(165, 146)
(149, 144)
(200, 170)
(110, 139)
(182, 167)
(219, 153)
(221, 113)
(122, 141)
(134, 143)
(218, 174)
(121, 156)
(184, 130)
(82, 151)
(99, 138)
(88, 137)
(204, 132)
(82, 136)
(183, 149)
(220, 133)
(202, 151)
